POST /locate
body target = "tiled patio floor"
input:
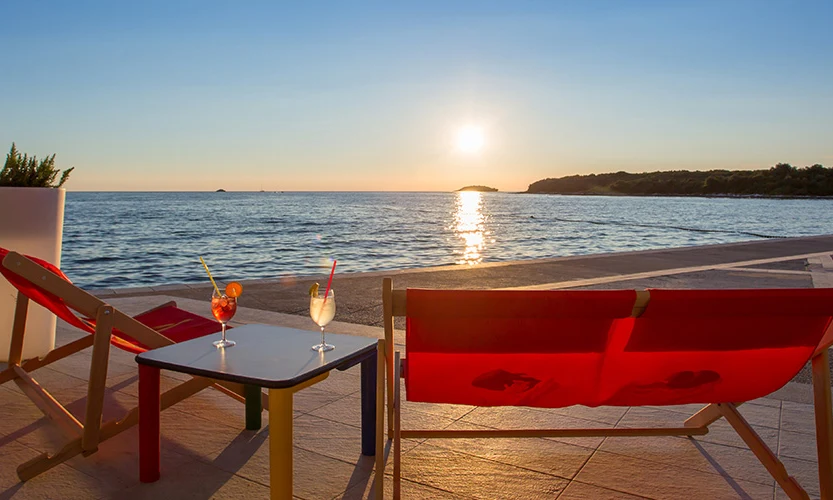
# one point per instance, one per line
(207, 454)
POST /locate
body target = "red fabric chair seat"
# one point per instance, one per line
(561, 348)
(172, 322)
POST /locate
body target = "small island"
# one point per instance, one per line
(782, 180)
(482, 189)
(221, 190)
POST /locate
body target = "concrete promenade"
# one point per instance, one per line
(206, 453)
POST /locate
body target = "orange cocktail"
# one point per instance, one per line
(223, 307)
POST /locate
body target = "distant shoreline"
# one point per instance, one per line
(733, 196)
(781, 181)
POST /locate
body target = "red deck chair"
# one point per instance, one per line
(618, 348)
(46, 285)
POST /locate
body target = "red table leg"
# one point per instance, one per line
(149, 409)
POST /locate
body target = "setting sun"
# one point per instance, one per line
(470, 139)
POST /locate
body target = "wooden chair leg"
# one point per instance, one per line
(707, 415)
(98, 378)
(392, 382)
(45, 461)
(387, 313)
(47, 404)
(824, 422)
(397, 428)
(380, 420)
(761, 450)
(18, 328)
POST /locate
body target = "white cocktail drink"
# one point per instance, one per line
(322, 310)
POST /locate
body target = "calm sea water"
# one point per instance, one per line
(119, 240)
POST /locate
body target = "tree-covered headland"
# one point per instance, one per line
(781, 180)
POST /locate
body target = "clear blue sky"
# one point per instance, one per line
(370, 95)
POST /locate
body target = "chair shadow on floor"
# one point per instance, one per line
(720, 470)
(360, 485)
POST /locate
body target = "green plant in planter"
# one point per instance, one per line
(22, 171)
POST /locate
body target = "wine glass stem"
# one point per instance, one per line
(322, 336)
(223, 325)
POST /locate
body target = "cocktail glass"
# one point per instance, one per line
(322, 310)
(223, 308)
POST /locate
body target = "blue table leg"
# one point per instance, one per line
(369, 405)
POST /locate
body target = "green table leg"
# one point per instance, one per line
(253, 407)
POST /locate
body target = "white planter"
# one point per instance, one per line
(31, 223)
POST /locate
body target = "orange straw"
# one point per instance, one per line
(329, 284)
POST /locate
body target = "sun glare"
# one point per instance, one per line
(470, 139)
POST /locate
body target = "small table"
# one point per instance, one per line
(274, 357)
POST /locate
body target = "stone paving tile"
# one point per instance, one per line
(453, 412)
(761, 416)
(739, 463)
(527, 418)
(314, 398)
(537, 454)
(686, 410)
(78, 365)
(347, 411)
(116, 462)
(776, 403)
(720, 432)
(604, 414)
(42, 434)
(19, 417)
(315, 476)
(653, 480)
(408, 490)
(798, 445)
(336, 440)
(797, 417)
(345, 383)
(467, 475)
(61, 481)
(196, 436)
(761, 412)
(196, 480)
(128, 383)
(51, 380)
(214, 406)
(582, 491)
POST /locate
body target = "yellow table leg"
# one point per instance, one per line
(280, 443)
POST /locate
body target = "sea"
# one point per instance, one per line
(131, 239)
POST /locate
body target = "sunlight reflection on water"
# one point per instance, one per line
(470, 226)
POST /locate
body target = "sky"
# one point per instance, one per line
(373, 96)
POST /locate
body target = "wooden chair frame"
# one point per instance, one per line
(84, 438)
(394, 304)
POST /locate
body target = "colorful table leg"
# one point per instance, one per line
(149, 438)
(368, 383)
(280, 443)
(254, 406)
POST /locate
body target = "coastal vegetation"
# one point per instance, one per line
(483, 189)
(781, 180)
(21, 170)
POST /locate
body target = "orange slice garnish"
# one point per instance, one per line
(234, 289)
